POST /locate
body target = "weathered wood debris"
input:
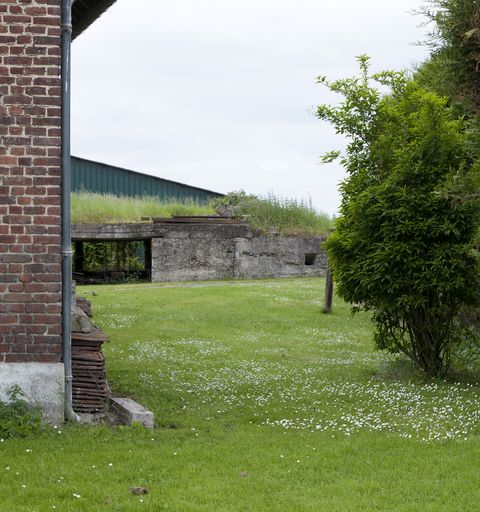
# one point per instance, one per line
(197, 219)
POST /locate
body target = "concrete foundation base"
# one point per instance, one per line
(42, 384)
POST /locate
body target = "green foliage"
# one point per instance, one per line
(286, 216)
(356, 117)
(403, 246)
(17, 418)
(234, 198)
(454, 71)
(105, 256)
(454, 67)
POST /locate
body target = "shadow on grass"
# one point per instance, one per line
(400, 369)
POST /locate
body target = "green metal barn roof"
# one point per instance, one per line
(100, 178)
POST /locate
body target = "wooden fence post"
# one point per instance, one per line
(328, 301)
(327, 306)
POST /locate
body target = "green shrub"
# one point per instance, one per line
(403, 246)
(17, 417)
(234, 198)
(453, 68)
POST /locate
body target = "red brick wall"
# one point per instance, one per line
(30, 260)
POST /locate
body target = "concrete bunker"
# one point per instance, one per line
(182, 249)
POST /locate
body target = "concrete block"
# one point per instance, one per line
(128, 411)
(42, 383)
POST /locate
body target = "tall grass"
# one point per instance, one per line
(90, 208)
(286, 216)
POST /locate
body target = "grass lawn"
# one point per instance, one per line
(262, 404)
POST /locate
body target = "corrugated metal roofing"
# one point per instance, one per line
(100, 178)
(85, 12)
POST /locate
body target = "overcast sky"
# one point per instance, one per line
(220, 94)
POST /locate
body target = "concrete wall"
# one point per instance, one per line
(41, 383)
(193, 252)
(216, 256)
(278, 256)
(192, 259)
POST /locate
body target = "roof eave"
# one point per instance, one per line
(85, 12)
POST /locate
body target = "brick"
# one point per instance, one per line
(16, 29)
(45, 40)
(30, 98)
(35, 287)
(18, 297)
(16, 258)
(47, 298)
(7, 200)
(35, 308)
(23, 358)
(26, 319)
(15, 268)
(45, 358)
(36, 11)
(36, 329)
(8, 160)
(26, 278)
(18, 219)
(55, 329)
(17, 19)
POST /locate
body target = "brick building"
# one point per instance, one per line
(35, 40)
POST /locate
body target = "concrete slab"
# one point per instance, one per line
(127, 411)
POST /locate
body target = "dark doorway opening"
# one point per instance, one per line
(98, 262)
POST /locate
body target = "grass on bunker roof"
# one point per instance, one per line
(290, 217)
(261, 403)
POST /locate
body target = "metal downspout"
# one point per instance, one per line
(66, 230)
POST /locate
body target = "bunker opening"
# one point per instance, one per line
(310, 258)
(111, 261)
